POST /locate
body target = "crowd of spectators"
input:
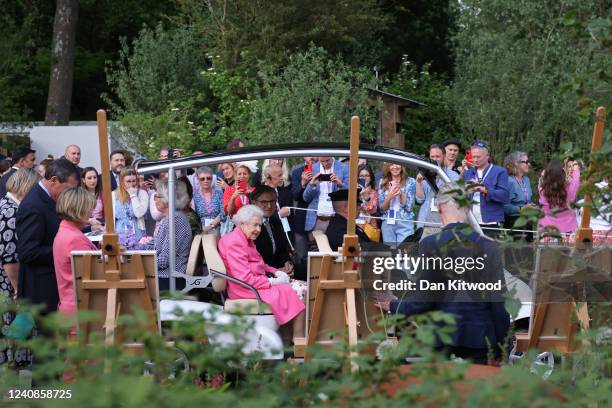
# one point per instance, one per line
(264, 216)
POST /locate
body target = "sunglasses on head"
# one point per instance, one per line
(480, 143)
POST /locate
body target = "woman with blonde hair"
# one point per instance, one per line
(396, 197)
(73, 207)
(130, 205)
(17, 186)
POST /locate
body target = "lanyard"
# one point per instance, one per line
(484, 176)
(523, 187)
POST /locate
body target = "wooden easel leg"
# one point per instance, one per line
(313, 329)
(352, 326)
(111, 316)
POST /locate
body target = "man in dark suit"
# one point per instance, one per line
(337, 225)
(37, 224)
(272, 243)
(22, 158)
(117, 163)
(481, 320)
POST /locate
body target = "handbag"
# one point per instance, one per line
(372, 232)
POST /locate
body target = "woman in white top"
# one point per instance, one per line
(130, 205)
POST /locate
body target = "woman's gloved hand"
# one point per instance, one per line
(281, 277)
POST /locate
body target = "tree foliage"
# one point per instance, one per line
(161, 96)
(245, 32)
(311, 99)
(514, 61)
(433, 122)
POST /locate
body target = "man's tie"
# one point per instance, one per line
(269, 229)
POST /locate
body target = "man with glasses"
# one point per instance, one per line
(272, 243)
(488, 188)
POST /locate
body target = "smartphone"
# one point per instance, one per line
(308, 168)
(361, 182)
(468, 158)
(325, 177)
(243, 185)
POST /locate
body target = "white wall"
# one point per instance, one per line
(54, 139)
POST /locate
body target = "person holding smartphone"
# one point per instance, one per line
(300, 177)
(235, 196)
(329, 175)
(368, 195)
(396, 197)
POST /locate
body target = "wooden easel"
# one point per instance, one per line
(552, 325)
(334, 286)
(112, 281)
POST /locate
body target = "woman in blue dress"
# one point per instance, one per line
(208, 201)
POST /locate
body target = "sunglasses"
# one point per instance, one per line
(525, 162)
(204, 178)
(480, 144)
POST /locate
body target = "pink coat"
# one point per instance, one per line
(69, 238)
(242, 261)
(564, 220)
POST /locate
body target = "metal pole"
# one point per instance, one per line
(171, 226)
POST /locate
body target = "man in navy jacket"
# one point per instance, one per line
(37, 224)
(481, 321)
(488, 188)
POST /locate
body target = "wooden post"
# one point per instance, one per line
(110, 240)
(350, 281)
(584, 235)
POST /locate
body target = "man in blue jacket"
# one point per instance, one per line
(328, 175)
(488, 188)
(299, 180)
(481, 320)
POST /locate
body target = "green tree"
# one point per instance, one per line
(427, 124)
(162, 98)
(513, 60)
(311, 99)
(245, 32)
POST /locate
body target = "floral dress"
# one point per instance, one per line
(126, 225)
(8, 254)
(397, 228)
(209, 209)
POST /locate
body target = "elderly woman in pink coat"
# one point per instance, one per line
(242, 261)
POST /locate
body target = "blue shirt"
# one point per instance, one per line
(519, 196)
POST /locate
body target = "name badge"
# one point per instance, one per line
(434, 204)
(391, 217)
(325, 207)
(208, 221)
(360, 221)
(285, 223)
